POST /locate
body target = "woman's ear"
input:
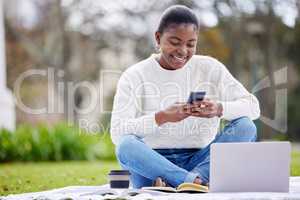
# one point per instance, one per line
(157, 37)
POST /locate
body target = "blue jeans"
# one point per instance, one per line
(176, 166)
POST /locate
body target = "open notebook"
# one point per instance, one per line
(184, 187)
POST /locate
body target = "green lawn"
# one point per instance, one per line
(30, 177)
(295, 166)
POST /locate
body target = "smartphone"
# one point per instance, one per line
(196, 96)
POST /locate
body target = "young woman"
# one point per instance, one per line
(160, 136)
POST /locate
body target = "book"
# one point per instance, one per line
(153, 191)
(184, 187)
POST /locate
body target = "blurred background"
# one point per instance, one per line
(86, 39)
(64, 58)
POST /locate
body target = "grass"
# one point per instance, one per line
(31, 177)
(295, 166)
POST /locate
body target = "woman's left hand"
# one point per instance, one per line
(206, 109)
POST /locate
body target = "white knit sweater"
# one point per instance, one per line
(146, 87)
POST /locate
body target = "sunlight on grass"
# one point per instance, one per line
(295, 165)
(31, 177)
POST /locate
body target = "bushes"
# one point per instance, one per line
(60, 142)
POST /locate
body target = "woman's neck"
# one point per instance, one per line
(161, 62)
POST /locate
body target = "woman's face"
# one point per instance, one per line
(178, 45)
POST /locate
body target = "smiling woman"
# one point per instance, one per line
(177, 45)
(176, 37)
(159, 136)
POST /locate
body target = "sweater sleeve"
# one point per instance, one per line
(235, 99)
(126, 117)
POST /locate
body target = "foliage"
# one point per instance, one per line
(60, 142)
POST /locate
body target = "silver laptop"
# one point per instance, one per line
(250, 167)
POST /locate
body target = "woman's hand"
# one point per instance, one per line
(206, 109)
(174, 113)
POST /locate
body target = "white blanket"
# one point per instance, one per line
(96, 193)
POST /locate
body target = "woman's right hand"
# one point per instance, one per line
(174, 113)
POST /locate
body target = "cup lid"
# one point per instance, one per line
(119, 172)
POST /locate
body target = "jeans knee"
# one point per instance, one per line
(125, 146)
(245, 128)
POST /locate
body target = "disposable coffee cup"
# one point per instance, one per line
(119, 178)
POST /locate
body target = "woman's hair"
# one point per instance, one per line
(177, 14)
